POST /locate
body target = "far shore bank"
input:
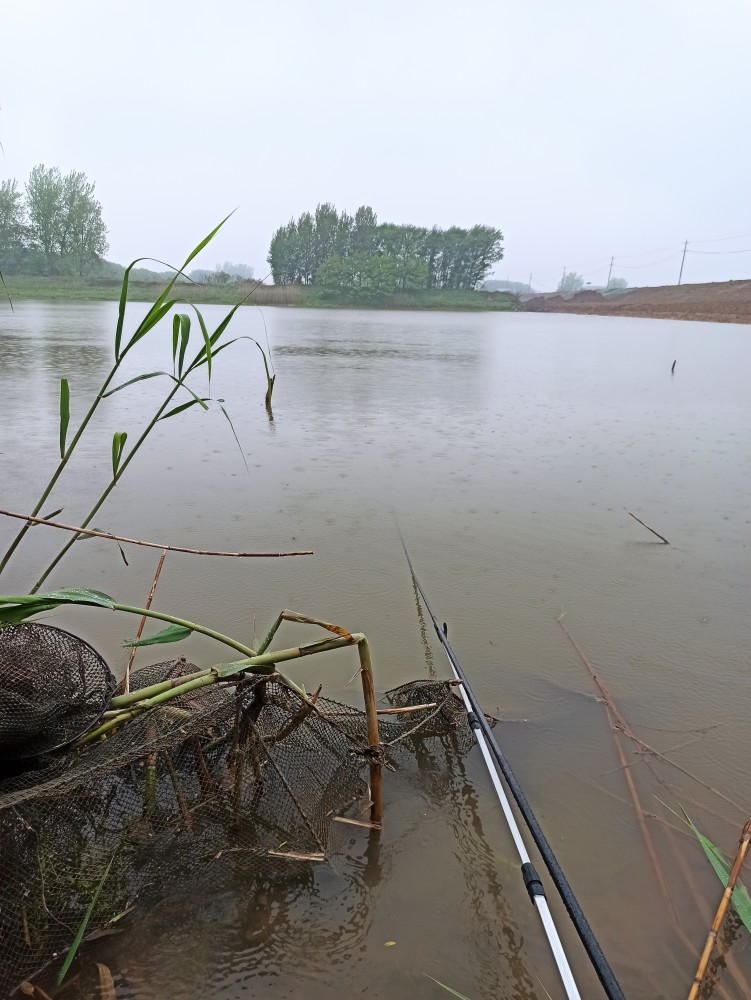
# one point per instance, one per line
(713, 302)
(22, 287)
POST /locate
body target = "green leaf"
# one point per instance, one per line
(65, 595)
(19, 613)
(173, 633)
(84, 536)
(162, 305)
(53, 513)
(740, 898)
(118, 443)
(201, 400)
(83, 925)
(181, 407)
(234, 432)
(138, 378)
(64, 413)
(175, 338)
(184, 323)
(448, 988)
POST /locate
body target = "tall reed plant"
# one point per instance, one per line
(211, 345)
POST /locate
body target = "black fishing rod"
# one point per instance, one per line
(488, 742)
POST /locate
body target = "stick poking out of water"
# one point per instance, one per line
(661, 537)
(672, 370)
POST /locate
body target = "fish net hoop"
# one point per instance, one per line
(54, 687)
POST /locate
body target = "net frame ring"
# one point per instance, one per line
(98, 677)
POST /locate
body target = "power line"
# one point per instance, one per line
(723, 252)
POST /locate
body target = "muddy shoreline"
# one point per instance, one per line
(715, 302)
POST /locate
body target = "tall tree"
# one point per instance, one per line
(65, 219)
(12, 230)
(44, 199)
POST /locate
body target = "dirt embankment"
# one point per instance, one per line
(717, 302)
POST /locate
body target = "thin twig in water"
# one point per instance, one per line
(614, 717)
(644, 525)
(92, 533)
(142, 623)
(656, 753)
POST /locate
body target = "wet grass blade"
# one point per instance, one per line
(64, 413)
(740, 899)
(118, 443)
(82, 928)
(183, 406)
(448, 989)
(182, 320)
(162, 305)
(173, 633)
(234, 432)
(138, 378)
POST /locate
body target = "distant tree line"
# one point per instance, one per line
(341, 251)
(53, 226)
(223, 274)
(504, 285)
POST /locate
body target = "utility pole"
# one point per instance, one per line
(564, 276)
(609, 273)
(683, 261)
(530, 284)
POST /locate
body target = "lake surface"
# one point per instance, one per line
(510, 447)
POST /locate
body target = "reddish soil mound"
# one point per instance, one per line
(718, 302)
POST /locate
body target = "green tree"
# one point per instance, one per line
(12, 228)
(65, 219)
(571, 282)
(617, 284)
(83, 234)
(44, 200)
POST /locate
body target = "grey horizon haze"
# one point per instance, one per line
(580, 130)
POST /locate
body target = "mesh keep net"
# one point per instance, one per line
(244, 770)
(53, 688)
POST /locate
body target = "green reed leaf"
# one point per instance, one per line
(184, 321)
(64, 413)
(234, 432)
(183, 406)
(118, 443)
(138, 378)
(448, 989)
(82, 927)
(173, 633)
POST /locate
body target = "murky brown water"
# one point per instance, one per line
(508, 445)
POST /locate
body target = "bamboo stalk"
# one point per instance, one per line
(374, 740)
(142, 623)
(178, 790)
(719, 917)
(644, 525)
(91, 532)
(384, 711)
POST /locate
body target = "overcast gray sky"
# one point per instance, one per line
(581, 129)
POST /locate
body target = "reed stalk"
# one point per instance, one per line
(158, 311)
(94, 533)
(719, 917)
(142, 623)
